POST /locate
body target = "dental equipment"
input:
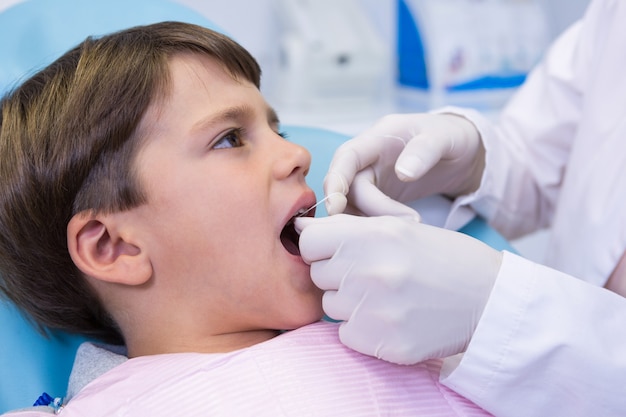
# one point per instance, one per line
(316, 204)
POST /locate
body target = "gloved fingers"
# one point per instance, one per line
(391, 351)
(321, 276)
(420, 155)
(336, 201)
(354, 156)
(353, 210)
(367, 337)
(350, 158)
(371, 201)
(320, 238)
(337, 307)
(358, 337)
(338, 273)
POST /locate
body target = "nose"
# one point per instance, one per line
(290, 159)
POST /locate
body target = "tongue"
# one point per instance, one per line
(290, 238)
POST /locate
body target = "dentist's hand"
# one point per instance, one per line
(404, 157)
(406, 291)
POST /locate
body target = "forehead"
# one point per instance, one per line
(196, 86)
(191, 67)
(194, 73)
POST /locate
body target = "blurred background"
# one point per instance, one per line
(342, 64)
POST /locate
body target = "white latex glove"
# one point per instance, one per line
(404, 157)
(405, 291)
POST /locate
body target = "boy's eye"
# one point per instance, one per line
(232, 139)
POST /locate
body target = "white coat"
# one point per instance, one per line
(554, 343)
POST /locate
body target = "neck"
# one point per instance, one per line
(180, 343)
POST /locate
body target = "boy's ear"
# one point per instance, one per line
(103, 248)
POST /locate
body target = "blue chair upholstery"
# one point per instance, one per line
(31, 363)
(34, 33)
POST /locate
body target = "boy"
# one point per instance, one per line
(147, 200)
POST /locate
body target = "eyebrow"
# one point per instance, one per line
(237, 113)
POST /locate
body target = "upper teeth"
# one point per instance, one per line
(300, 211)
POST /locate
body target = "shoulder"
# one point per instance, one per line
(93, 360)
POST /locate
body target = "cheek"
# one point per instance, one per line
(303, 307)
(302, 296)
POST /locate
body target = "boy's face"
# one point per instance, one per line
(221, 184)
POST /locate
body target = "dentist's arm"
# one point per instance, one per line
(406, 291)
(404, 157)
(547, 344)
(537, 342)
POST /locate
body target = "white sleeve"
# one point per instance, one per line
(546, 345)
(528, 149)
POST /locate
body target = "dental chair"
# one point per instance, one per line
(34, 33)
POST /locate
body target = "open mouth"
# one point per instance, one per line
(289, 237)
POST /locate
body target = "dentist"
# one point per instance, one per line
(518, 338)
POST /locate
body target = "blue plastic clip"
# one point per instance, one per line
(46, 400)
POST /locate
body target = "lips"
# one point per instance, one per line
(289, 237)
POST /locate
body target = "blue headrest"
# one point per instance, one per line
(36, 32)
(31, 363)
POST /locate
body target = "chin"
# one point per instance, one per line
(303, 318)
(317, 315)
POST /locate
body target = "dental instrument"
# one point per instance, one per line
(316, 204)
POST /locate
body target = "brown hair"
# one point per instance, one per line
(68, 137)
